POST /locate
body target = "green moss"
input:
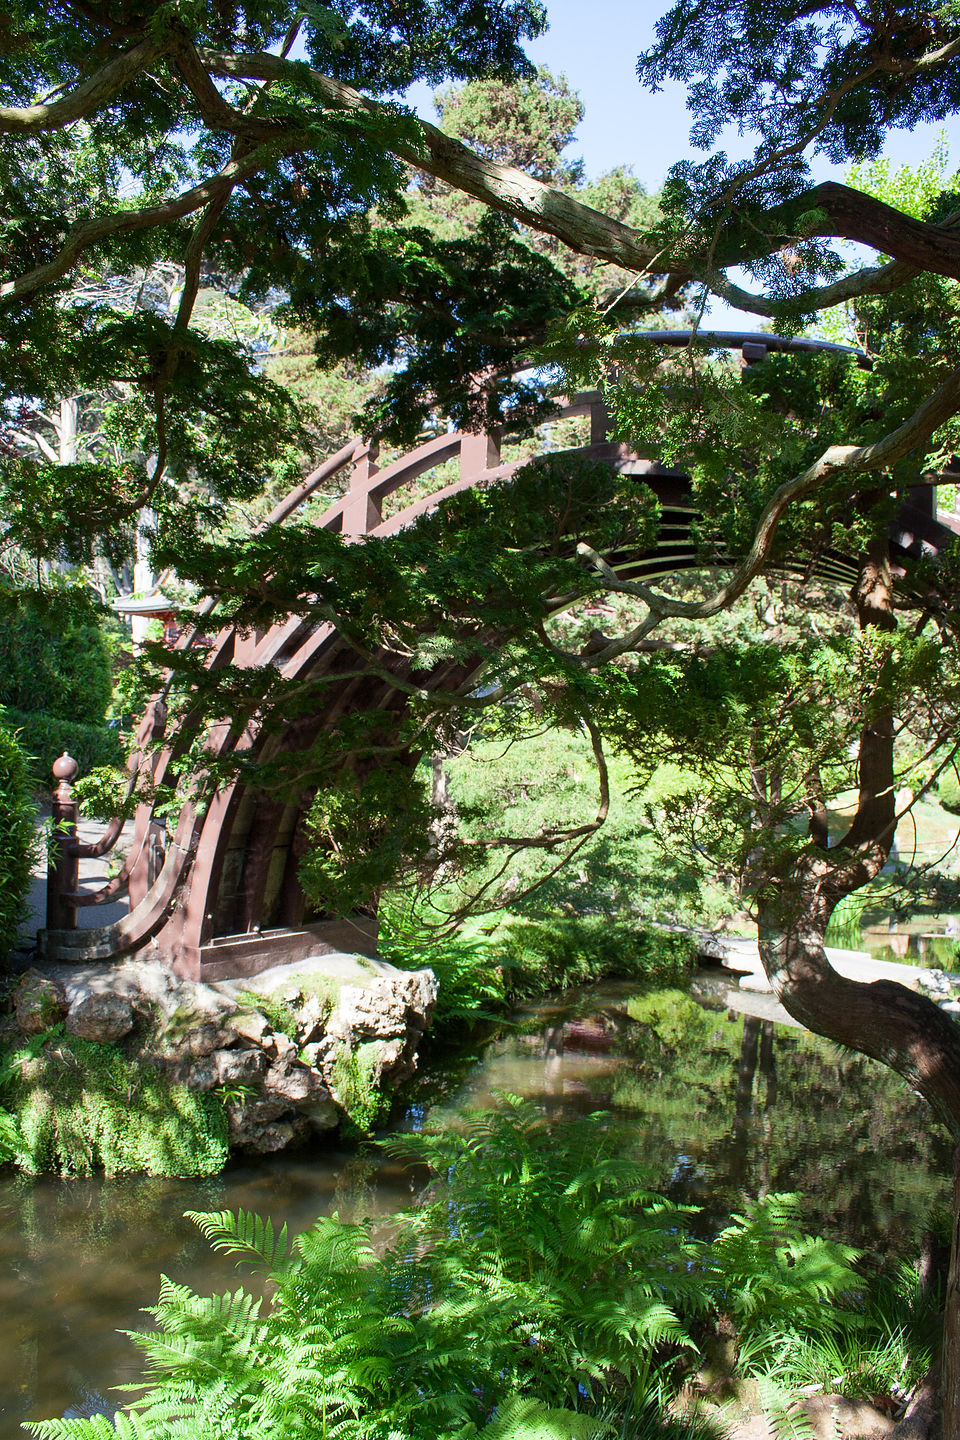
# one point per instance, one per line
(356, 1090)
(279, 1012)
(79, 1106)
(324, 988)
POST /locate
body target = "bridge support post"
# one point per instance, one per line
(478, 453)
(362, 511)
(63, 863)
(599, 423)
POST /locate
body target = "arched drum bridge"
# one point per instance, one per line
(220, 896)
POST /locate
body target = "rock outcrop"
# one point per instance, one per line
(288, 1051)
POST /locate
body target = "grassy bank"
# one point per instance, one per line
(485, 969)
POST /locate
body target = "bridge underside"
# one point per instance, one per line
(221, 897)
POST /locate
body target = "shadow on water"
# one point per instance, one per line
(717, 1110)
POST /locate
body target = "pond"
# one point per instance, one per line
(718, 1110)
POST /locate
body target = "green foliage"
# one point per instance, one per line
(913, 190)
(723, 713)
(846, 922)
(187, 421)
(529, 123)
(802, 1275)
(888, 1351)
(541, 1289)
(795, 87)
(948, 791)
(54, 655)
(44, 738)
(547, 782)
(547, 954)
(483, 970)
(9, 1137)
(18, 837)
(363, 833)
(80, 1106)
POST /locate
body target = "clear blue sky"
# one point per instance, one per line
(597, 47)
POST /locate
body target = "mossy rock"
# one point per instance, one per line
(80, 1106)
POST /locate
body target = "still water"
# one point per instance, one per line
(719, 1110)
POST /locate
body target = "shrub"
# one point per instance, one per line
(45, 737)
(54, 655)
(18, 838)
(948, 791)
(556, 954)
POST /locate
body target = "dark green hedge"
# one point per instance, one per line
(54, 654)
(43, 738)
(18, 838)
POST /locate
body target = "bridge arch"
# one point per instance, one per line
(220, 896)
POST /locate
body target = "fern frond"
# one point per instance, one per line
(244, 1234)
(526, 1419)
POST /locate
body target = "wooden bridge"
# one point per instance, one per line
(220, 896)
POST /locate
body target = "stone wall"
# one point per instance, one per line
(292, 1052)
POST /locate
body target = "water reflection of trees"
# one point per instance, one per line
(731, 1109)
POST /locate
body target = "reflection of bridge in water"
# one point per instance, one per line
(220, 896)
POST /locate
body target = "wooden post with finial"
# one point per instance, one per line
(63, 865)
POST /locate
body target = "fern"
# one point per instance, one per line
(541, 1290)
(244, 1234)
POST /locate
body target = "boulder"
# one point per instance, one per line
(282, 1047)
(280, 1135)
(385, 1008)
(311, 1020)
(251, 1130)
(38, 1003)
(197, 1074)
(212, 1035)
(247, 1122)
(102, 1015)
(293, 1083)
(252, 1026)
(387, 1055)
(322, 1114)
(238, 1067)
(208, 1037)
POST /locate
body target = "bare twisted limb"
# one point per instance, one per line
(84, 97)
(825, 210)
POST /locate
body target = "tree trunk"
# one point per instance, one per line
(67, 432)
(901, 1029)
(795, 899)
